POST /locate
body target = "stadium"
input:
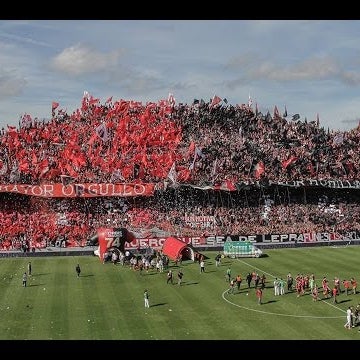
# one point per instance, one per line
(204, 174)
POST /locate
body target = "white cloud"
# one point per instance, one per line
(10, 84)
(80, 59)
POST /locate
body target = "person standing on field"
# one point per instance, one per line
(348, 323)
(228, 274)
(169, 277)
(238, 282)
(29, 268)
(180, 276)
(315, 293)
(146, 298)
(78, 270)
(248, 280)
(218, 260)
(24, 279)
(202, 266)
(334, 294)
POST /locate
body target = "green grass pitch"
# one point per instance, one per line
(106, 302)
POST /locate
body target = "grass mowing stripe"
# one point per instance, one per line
(95, 286)
(59, 290)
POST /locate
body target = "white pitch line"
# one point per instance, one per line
(280, 314)
(334, 306)
(254, 267)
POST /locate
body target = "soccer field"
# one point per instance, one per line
(106, 302)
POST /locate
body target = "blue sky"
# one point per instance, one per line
(310, 66)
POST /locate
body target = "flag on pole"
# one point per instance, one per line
(250, 102)
(172, 175)
(215, 168)
(276, 112)
(66, 179)
(54, 105)
(215, 101)
(26, 121)
(285, 112)
(102, 132)
(287, 162)
(171, 99)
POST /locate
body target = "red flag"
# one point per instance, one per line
(11, 129)
(93, 101)
(54, 105)
(183, 175)
(227, 185)
(215, 100)
(230, 185)
(289, 161)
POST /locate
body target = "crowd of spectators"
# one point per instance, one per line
(46, 221)
(129, 141)
(178, 145)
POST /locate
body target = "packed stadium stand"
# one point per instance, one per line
(204, 171)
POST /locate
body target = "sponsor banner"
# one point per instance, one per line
(80, 190)
(217, 241)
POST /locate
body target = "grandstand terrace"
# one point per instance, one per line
(163, 168)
